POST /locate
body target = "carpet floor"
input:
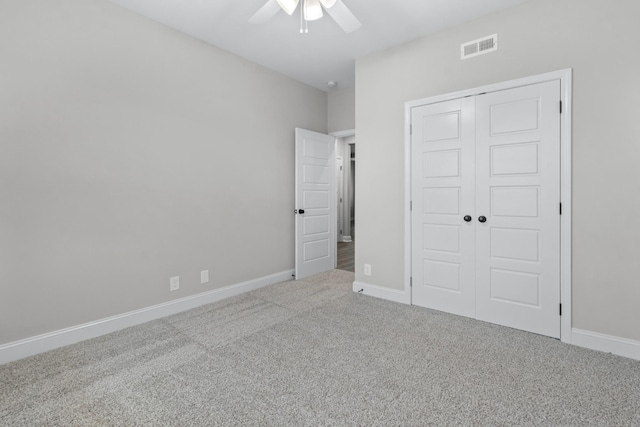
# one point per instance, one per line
(313, 352)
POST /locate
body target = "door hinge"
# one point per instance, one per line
(411, 282)
(560, 107)
(340, 167)
(560, 208)
(560, 309)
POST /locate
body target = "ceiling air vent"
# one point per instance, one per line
(479, 47)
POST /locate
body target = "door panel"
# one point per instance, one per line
(442, 192)
(513, 244)
(315, 236)
(518, 190)
(512, 117)
(517, 159)
(515, 201)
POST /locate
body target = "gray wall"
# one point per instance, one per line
(592, 37)
(130, 153)
(342, 109)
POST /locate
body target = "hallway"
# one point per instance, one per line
(346, 252)
(346, 256)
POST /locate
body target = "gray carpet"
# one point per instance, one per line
(314, 353)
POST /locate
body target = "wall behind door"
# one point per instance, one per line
(130, 153)
(538, 36)
(341, 109)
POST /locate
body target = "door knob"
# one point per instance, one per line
(301, 211)
(482, 219)
(467, 218)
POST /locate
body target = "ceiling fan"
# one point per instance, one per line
(309, 11)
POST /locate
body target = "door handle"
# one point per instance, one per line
(300, 211)
(482, 219)
(467, 218)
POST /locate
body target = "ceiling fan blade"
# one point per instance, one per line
(288, 6)
(343, 16)
(327, 3)
(266, 12)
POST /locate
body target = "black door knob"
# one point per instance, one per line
(467, 218)
(301, 211)
(482, 219)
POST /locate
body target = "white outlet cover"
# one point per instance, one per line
(367, 269)
(204, 277)
(174, 283)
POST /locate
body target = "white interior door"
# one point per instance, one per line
(315, 198)
(443, 147)
(518, 192)
(485, 220)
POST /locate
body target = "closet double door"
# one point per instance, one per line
(485, 218)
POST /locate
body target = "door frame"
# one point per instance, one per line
(565, 77)
(347, 194)
(346, 218)
(339, 196)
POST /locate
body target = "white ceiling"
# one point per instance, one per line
(326, 52)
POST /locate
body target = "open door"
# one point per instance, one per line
(315, 200)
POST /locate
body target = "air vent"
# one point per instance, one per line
(479, 47)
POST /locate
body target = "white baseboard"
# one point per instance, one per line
(606, 343)
(49, 341)
(592, 340)
(394, 295)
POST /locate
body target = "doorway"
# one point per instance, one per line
(345, 169)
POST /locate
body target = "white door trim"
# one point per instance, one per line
(343, 133)
(565, 179)
(340, 167)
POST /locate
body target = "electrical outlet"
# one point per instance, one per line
(367, 269)
(174, 283)
(204, 277)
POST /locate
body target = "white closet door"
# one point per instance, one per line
(442, 144)
(518, 192)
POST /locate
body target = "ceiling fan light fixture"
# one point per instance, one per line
(328, 3)
(312, 10)
(288, 6)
